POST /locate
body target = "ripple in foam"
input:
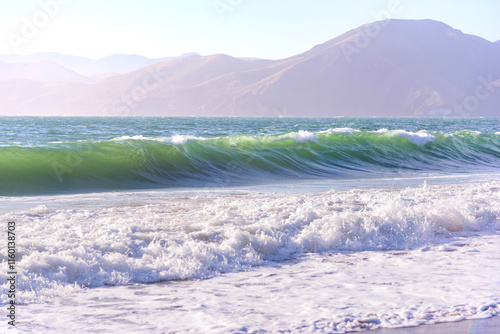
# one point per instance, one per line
(187, 237)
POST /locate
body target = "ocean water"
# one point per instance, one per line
(261, 225)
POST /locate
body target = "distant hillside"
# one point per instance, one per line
(387, 68)
(408, 68)
(39, 71)
(115, 64)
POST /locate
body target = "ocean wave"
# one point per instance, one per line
(140, 162)
(418, 138)
(175, 140)
(344, 131)
(186, 237)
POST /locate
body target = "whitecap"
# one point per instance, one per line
(344, 131)
(417, 138)
(182, 139)
(300, 137)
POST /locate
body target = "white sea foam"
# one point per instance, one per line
(344, 131)
(317, 293)
(176, 139)
(300, 136)
(202, 236)
(139, 137)
(182, 139)
(417, 138)
(464, 133)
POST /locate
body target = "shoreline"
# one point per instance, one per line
(471, 326)
(113, 198)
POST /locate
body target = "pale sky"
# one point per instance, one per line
(271, 29)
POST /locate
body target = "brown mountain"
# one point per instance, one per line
(386, 68)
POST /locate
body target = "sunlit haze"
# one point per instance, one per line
(241, 28)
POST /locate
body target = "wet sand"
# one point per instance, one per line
(479, 326)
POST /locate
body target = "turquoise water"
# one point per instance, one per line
(47, 155)
(233, 218)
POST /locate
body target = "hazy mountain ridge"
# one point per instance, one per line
(409, 68)
(387, 68)
(39, 71)
(114, 64)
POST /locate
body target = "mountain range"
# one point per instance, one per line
(384, 68)
(77, 69)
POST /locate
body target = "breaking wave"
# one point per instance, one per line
(138, 162)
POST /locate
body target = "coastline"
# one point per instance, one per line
(473, 326)
(405, 234)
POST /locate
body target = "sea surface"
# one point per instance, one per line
(249, 225)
